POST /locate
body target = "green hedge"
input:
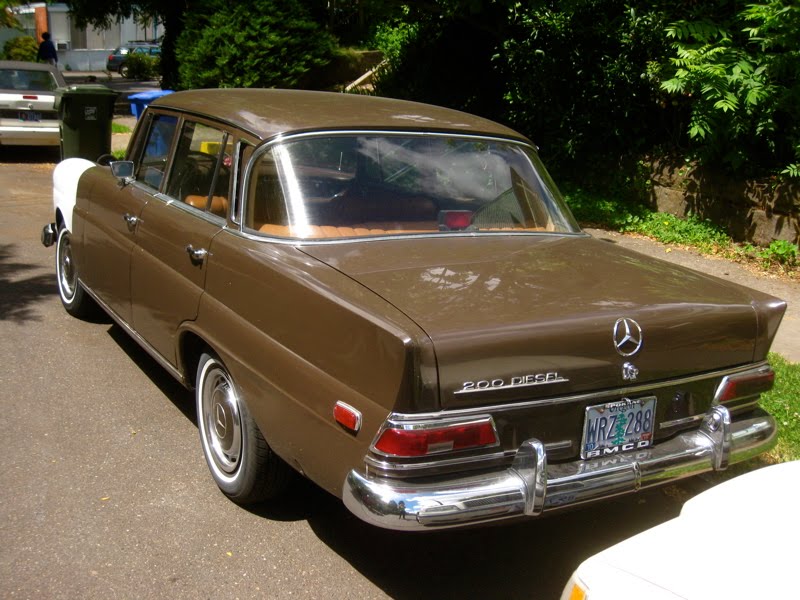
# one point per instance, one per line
(264, 43)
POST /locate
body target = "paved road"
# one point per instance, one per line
(104, 492)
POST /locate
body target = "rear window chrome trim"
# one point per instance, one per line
(260, 237)
(265, 146)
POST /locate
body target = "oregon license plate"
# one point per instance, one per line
(616, 427)
(30, 115)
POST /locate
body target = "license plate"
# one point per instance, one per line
(29, 115)
(615, 427)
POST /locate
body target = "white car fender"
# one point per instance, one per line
(65, 186)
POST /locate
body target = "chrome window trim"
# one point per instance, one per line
(588, 396)
(282, 138)
(416, 236)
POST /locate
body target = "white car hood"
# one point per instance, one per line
(735, 540)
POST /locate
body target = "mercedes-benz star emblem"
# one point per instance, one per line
(627, 337)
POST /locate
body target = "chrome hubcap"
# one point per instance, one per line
(222, 421)
(66, 271)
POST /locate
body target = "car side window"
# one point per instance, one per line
(265, 205)
(156, 150)
(200, 174)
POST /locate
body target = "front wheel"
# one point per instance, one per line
(74, 298)
(243, 465)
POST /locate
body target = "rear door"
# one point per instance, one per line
(174, 236)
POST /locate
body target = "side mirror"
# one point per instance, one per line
(122, 170)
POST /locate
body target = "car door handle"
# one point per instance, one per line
(130, 220)
(197, 255)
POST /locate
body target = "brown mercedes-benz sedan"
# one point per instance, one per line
(393, 300)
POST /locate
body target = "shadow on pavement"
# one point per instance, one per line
(168, 385)
(519, 560)
(18, 293)
(48, 155)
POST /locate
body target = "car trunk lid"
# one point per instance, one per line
(525, 317)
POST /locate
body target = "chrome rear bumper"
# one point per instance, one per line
(531, 486)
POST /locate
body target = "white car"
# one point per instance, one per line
(28, 116)
(735, 540)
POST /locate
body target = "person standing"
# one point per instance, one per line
(47, 50)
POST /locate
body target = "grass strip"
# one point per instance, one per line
(783, 403)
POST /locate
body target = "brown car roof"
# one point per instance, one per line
(269, 112)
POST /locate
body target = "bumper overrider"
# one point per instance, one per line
(530, 486)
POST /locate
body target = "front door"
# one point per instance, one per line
(111, 215)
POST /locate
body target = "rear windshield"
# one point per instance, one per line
(27, 81)
(340, 186)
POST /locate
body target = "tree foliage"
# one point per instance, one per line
(266, 43)
(171, 14)
(578, 77)
(22, 48)
(592, 81)
(740, 80)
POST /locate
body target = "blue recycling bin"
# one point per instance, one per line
(141, 100)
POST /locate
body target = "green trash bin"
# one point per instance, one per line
(85, 113)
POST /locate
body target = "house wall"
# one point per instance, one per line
(37, 17)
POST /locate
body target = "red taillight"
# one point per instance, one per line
(744, 385)
(347, 416)
(110, 56)
(30, 97)
(425, 440)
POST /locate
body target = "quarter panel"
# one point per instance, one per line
(298, 336)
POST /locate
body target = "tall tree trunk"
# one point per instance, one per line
(173, 16)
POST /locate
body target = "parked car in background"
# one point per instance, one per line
(28, 116)
(117, 60)
(393, 300)
(733, 541)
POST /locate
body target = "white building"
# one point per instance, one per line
(79, 49)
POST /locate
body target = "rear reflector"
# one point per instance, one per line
(745, 385)
(347, 416)
(30, 97)
(429, 439)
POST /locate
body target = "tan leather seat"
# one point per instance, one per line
(219, 204)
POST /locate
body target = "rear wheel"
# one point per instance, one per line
(243, 465)
(74, 298)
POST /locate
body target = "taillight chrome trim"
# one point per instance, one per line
(439, 423)
(762, 370)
